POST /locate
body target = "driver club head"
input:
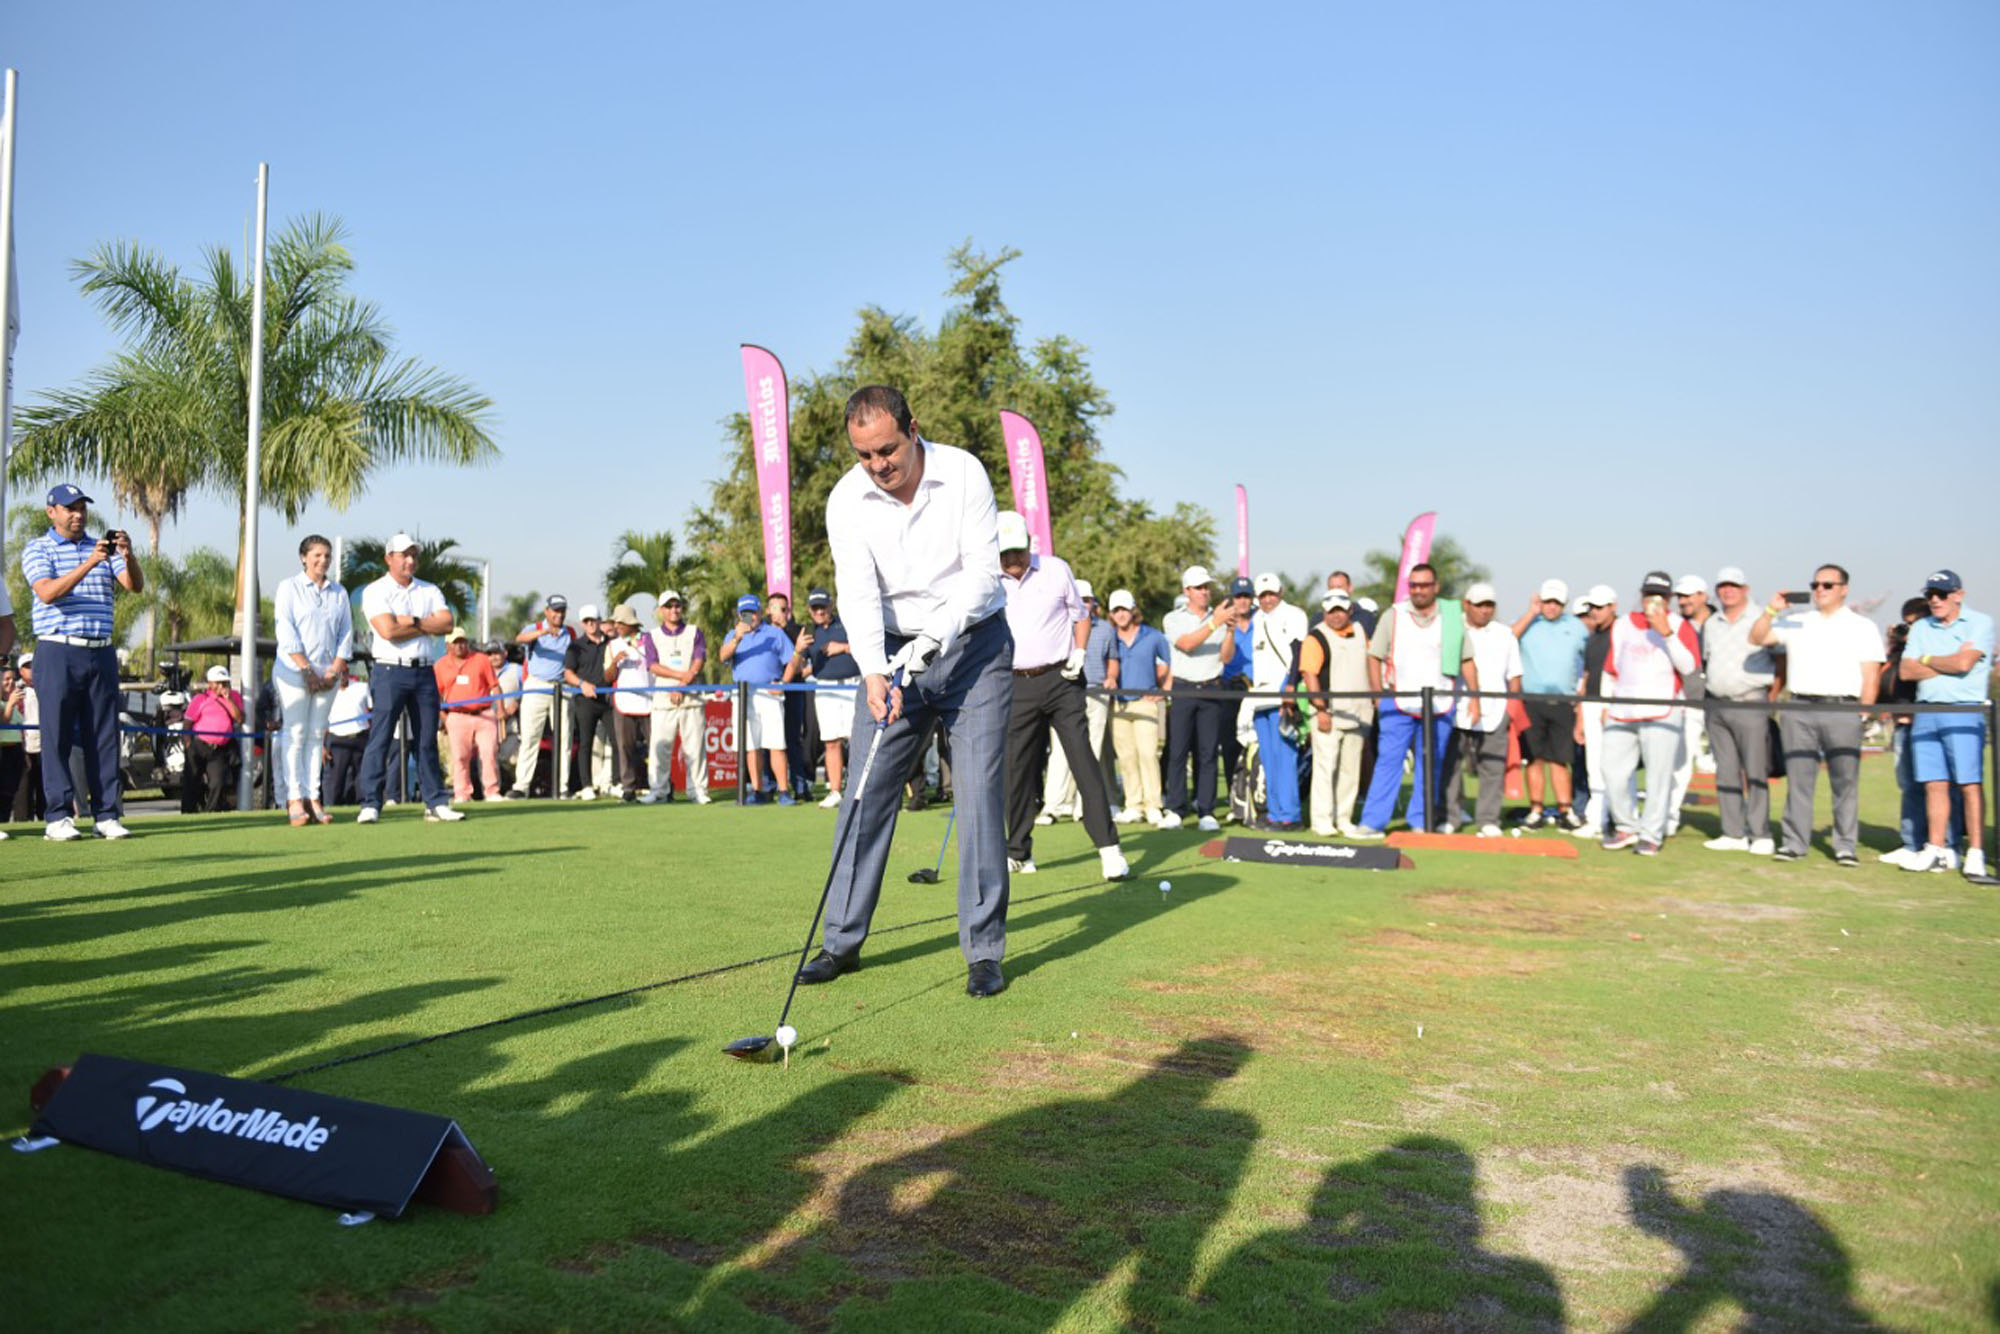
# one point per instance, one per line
(751, 1049)
(926, 876)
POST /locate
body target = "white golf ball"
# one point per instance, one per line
(787, 1035)
(1166, 885)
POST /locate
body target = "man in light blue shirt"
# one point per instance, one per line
(548, 640)
(1552, 643)
(1950, 657)
(757, 653)
(73, 577)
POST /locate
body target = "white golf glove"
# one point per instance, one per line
(1073, 665)
(914, 657)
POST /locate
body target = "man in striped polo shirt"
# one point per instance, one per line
(74, 577)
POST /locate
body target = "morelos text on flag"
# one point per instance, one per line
(1416, 549)
(1031, 479)
(771, 447)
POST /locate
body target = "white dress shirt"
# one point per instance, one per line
(1274, 634)
(1824, 654)
(931, 567)
(418, 598)
(315, 620)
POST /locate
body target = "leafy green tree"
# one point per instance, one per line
(169, 414)
(193, 597)
(362, 564)
(957, 379)
(1456, 571)
(516, 610)
(645, 563)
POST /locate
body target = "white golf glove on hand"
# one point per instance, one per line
(914, 657)
(1073, 665)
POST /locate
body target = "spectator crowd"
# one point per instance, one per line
(1238, 706)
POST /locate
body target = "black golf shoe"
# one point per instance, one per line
(983, 978)
(825, 966)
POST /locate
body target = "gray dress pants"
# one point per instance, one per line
(1807, 738)
(1741, 740)
(970, 688)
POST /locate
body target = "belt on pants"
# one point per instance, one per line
(75, 641)
(1829, 699)
(424, 662)
(1037, 671)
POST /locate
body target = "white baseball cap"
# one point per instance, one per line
(1196, 576)
(1367, 604)
(1690, 583)
(1579, 607)
(1601, 595)
(400, 542)
(669, 595)
(1554, 590)
(1084, 590)
(1481, 592)
(1013, 531)
(1731, 574)
(1335, 597)
(219, 674)
(589, 612)
(1122, 598)
(1268, 582)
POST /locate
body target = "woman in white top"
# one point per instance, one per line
(315, 639)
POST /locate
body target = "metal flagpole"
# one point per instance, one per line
(10, 302)
(245, 784)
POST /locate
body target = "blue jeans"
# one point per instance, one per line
(1399, 732)
(1281, 768)
(1916, 822)
(403, 692)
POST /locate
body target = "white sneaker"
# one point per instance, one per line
(1931, 857)
(1727, 844)
(110, 828)
(1448, 829)
(1899, 857)
(1208, 824)
(649, 798)
(1489, 831)
(1168, 820)
(1114, 864)
(500, 796)
(1323, 831)
(587, 794)
(829, 801)
(442, 815)
(1349, 831)
(702, 798)
(1128, 816)
(369, 815)
(1019, 867)
(4, 836)
(1975, 862)
(1362, 833)
(61, 831)
(1762, 847)
(1045, 818)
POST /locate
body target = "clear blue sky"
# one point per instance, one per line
(1608, 286)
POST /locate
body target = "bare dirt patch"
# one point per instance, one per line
(1708, 910)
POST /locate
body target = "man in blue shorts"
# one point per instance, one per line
(1950, 657)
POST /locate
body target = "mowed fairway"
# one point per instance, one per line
(1489, 1091)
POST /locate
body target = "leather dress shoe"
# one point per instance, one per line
(825, 966)
(983, 978)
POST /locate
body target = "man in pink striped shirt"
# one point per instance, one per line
(1652, 652)
(1051, 629)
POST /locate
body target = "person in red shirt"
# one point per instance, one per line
(463, 675)
(212, 718)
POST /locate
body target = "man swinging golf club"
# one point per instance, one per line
(917, 574)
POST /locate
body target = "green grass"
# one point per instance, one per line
(1490, 1091)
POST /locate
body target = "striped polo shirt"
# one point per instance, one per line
(85, 611)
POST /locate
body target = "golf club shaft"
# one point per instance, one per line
(848, 818)
(950, 820)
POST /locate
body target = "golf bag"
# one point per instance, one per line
(1246, 786)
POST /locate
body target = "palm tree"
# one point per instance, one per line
(170, 413)
(458, 580)
(193, 597)
(645, 563)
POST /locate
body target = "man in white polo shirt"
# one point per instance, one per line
(1202, 640)
(407, 615)
(1481, 739)
(1418, 643)
(1833, 655)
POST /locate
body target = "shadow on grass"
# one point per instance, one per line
(1021, 1220)
(34, 923)
(1762, 1252)
(1391, 1241)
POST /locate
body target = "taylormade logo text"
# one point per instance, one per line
(182, 1113)
(1320, 851)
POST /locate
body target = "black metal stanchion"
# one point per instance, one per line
(742, 725)
(1427, 765)
(402, 760)
(558, 741)
(1993, 802)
